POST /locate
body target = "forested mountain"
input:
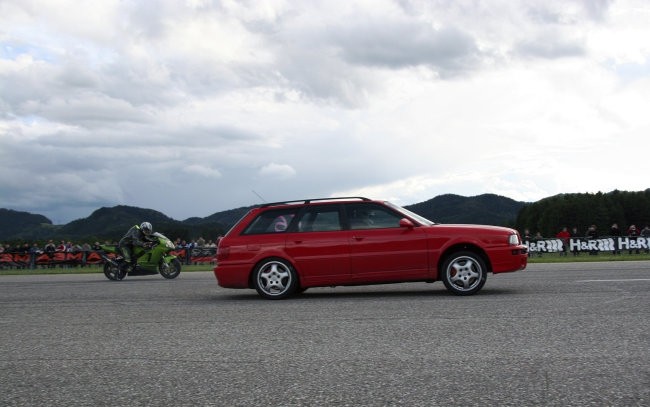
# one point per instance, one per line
(546, 216)
(549, 215)
(226, 218)
(486, 209)
(16, 224)
(115, 221)
(112, 223)
(107, 224)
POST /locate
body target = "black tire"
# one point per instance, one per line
(171, 270)
(464, 273)
(275, 279)
(113, 272)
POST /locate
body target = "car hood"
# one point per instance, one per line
(465, 228)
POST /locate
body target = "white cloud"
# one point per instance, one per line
(203, 171)
(402, 100)
(280, 171)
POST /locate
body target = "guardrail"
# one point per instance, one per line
(197, 255)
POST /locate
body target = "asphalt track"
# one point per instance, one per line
(554, 335)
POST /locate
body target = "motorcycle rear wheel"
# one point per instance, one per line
(113, 272)
(170, 270)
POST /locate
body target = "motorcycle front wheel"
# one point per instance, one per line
(170, 270)
(113, 272)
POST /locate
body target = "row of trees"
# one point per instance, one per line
(548, 215)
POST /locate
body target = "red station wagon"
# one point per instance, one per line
(283, 248)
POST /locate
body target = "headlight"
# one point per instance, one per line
(513, 240)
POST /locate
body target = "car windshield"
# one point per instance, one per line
(418, 218)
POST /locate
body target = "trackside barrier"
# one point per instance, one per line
(198, 255)
(583, 244)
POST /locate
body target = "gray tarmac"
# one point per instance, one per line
(553, 335)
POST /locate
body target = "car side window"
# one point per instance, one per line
(272, 221)
(320, 219)
(371, 216)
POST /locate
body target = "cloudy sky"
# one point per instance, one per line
(194, 107)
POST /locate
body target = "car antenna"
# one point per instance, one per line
(259, 196)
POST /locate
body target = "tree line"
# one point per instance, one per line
(582, 210)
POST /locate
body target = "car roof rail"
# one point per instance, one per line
(307, 201)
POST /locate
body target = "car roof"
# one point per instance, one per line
(308, 201)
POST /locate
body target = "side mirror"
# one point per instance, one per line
(405, 223)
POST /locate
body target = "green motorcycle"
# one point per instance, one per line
(155, 258)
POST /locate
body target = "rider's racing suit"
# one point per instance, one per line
(133, 237)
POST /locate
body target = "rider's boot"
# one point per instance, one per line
(126, 267)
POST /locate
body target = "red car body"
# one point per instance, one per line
(283, 248)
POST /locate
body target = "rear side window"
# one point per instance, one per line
(320, 219)
(272, 221)
(371, 216)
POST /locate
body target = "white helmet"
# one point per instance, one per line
(146, 228)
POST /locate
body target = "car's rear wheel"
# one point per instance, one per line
(275, 279)
(464, 273)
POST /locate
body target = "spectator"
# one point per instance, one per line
(564, 236)
(61, 246)
(200, 242)
(592, 233)
(35, 249)
(615, 232)
(538, 237)
(576, 234)
(633, 232)
(50, 248)
(75, 248)
(645, 232)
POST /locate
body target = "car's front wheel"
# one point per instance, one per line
(464, 273)
(275, 279)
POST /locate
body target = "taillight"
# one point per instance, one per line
(223, 253)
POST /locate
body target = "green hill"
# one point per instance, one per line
(16, 224)
(546, 216)
(111, 223)
(486, 209)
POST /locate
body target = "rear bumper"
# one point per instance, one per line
(232, 276)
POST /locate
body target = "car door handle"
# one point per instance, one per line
(357, 238)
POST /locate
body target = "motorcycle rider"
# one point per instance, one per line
(138, 235)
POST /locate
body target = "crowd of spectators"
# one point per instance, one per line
(67, 254)
(69, 247)
(200, 242)
(592, 233)
(49, 247)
